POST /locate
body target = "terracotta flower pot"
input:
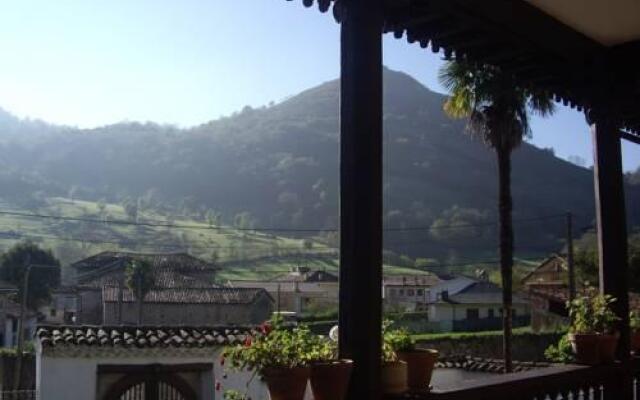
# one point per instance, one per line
(607, 345)
(586, 348)
(330, 380)
(420, 364)
(394, 377)
(286, 383)
(635, 341)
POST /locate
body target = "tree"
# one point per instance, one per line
(42, 279)
(498, 111)
(139, 279)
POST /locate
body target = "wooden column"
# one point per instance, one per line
(611, 221)
(361, 194)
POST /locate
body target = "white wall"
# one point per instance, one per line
(64, 378)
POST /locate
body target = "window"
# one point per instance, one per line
(392, 292)
(401, 292)
(473, 313)
(410, 292)
(52, 312)
(490, 313)
(420, 292)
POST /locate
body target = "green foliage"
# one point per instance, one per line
(42, 279)
(234, 395)
(560, 352)
(275, 346)
(497, 108)
(139, 277)
(394, 341)
(592, 313)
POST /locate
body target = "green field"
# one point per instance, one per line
(242, 254)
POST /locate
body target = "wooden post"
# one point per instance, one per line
(612, 238)
(570, 266)
(361, 194)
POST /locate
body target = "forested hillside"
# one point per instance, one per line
(277, 167)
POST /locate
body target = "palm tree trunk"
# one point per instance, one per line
(506, 250)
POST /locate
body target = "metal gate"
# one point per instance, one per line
(151, 386)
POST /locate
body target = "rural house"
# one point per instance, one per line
(112, 363)
(299, 290)
(465, 304)
(407, 292)
(188, 306)
(180, 282)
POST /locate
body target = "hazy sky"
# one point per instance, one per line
(94, 62)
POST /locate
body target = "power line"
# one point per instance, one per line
(264, 229)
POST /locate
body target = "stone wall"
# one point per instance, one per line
(526, 346)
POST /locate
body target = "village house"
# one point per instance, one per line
(113, 363)
(298, 290)
(180, 282)
(466, 304)
(188, 306)
(407, 292)
(548, 290)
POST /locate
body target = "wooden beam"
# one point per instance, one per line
(630, 137)
(611, 221)
(361, 194)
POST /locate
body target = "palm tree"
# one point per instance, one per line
(498, 111)
(140, 280)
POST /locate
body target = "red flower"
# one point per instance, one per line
(247, 341)
(218, 386)
(266, 328)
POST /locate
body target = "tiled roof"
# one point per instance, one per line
(140, 337)
(169, 269)
(561, 295)
(188, 295)
(177, 261)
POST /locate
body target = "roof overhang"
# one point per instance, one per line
(608, 22)
(579, 54)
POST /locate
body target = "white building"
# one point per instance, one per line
(465, 304)
(108, 363)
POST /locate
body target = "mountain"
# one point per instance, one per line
(277, 166)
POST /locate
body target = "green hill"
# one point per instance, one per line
(277, 167)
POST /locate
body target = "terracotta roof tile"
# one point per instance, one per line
(141, 337)
(208, 295)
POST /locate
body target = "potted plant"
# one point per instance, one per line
(394, 370)
(634, 324)
(278, 355)
(591, 333)
(329, 375)
(420, 362)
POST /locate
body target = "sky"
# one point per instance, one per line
(89, 63)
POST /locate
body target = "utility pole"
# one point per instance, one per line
(570, 266)
(23, 305)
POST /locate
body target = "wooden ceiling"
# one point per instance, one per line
(609, 22)
(582, 61)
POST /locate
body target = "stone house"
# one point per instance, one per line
(183, 292)
(548, 290)
(111, 363)
(188, 306)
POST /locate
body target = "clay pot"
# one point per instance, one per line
(420, 364)
(330, 380)
(635, 341)
(286, 383)
(586, 348)
(394, 377)
(607, 345)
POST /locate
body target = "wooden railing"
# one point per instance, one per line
(575, 382)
